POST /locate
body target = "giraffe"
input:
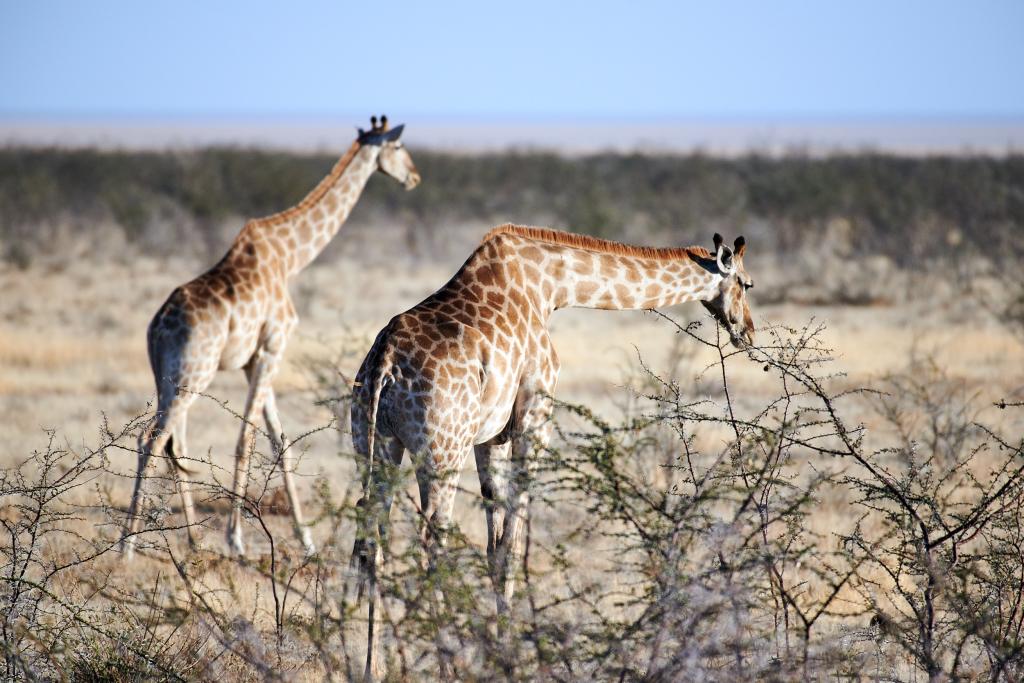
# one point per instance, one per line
(239, 314)
(473, 367)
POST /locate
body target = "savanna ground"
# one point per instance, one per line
(701, 514)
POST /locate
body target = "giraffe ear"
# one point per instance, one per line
(723, 257)
(739, 246)
(394, 133)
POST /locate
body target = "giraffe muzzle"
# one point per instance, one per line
(743, 340)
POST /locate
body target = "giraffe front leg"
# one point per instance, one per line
(493, 465)
(283, 454)
(530, 439)
(260, 371)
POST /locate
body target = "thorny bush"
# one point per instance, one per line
(700, 536)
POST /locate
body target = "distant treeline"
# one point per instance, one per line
(906, 208)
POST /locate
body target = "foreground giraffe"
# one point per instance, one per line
(239, 314)
(473, 367)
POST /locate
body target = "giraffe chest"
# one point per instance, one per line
(526, 366)
(495, 418)
(249, 332)
(239, 346)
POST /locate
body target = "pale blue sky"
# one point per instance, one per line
(532, 59)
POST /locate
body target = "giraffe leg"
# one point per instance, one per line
(371, 534)
(260, 371)
(437, 498)
(172, 411)
(178, 452)
(492, 466)
(375, 505)
(282, 450)
(146, 443)
(180, 374)
(533, 435)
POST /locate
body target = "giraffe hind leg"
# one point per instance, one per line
(177, 457)
(168, 424)
(374, 510)
(135, 508)
(153, 440)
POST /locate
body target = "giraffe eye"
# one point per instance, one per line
(748, 285)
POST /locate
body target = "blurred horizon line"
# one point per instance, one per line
(924, 134)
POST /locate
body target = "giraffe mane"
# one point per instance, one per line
(317, 192)
(575, 240)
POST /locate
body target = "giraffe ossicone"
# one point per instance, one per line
(239, 315)
(473, 367)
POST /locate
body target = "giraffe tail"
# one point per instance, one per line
(364, 558)
(179, 463)
(145, 440)
(379, 381)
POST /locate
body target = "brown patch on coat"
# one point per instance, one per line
(585, 290)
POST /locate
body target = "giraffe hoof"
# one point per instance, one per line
(307, 543)
(235, 545)
(355, 589)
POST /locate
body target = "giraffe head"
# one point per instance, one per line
(729, 302)
(393, 159)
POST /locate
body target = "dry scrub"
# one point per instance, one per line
(676, 544)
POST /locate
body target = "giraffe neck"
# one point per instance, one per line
(562, 276)
(300, 233)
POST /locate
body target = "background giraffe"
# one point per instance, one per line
(239, 314)
(473, 366)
